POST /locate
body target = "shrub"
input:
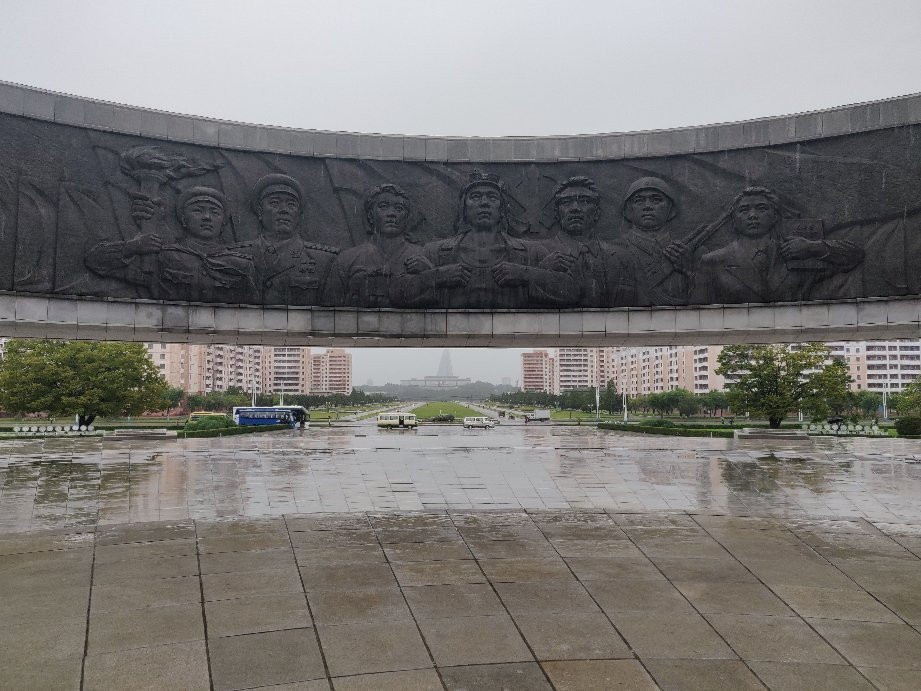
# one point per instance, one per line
(669, 431)
(230, 431)
(210, 422)
(909, 426)
(661, 422)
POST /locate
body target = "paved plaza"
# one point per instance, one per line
(537, 557)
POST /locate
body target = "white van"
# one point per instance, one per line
(397, 421)
(483, 422)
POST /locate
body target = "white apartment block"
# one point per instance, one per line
(332, 372)
(880, 365)
(288, 369)
(576, 368)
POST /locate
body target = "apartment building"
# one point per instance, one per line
(263, 369)
(331, 372)
(576, 368)
(235, 366)
(880, 365)
(181, 364)
(538, 371)
(288, 369)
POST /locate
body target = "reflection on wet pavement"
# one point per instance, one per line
(72, 482)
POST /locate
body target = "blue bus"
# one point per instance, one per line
(291, 415)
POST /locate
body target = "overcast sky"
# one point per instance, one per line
(479, 67)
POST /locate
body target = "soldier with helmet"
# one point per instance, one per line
(649, 266)
(290, 270)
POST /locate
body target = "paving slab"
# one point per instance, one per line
(446, 572)
(671, 635)
(703, 675)
(358, 605)
(773, 638)
(806, 676)
(474, 640)
(182, 665)
(446, 601)
(872, 644)
(352, 649)
(257, 614)
(599, 675)
(833, 603)
(265, 659)
(124, 629)
(526, 676)
(411, 680)
(577, 636)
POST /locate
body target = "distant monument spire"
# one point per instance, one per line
(444, 367)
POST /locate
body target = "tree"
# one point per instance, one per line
(868, 402)
(686, 402)
(174, 396)
(63, 378)
(770, 381)
(908, 400)
(713, 401)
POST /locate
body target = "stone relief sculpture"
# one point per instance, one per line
(362, 276)
(482, 265)
(577, 248)
(289, 269)
(648, 264)
(118, 216)
(766, 262)
(196, 266)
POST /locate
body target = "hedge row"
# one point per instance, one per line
(229, 431)
(669, 431)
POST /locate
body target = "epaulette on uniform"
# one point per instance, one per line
(322, 248)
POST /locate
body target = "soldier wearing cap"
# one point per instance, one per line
(290, 270)
(196, 266)
(482, 265)
(648, 266)
(361, 276)
(576, 247)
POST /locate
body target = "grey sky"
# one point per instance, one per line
(479, 67)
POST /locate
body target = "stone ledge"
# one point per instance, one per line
(17, 99)
(41, 316)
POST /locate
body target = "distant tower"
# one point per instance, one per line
(444, 367)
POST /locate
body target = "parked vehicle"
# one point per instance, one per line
(537, 416)
(292, 415)
(200, 414)
(397, 421)
(481, 422)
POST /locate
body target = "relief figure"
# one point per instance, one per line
(482, 266)
(196, 266)
(577, 248)
(289, 270)
(763, 264)
(361, 276)
(647, 266)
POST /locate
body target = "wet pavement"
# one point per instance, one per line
(515, 558)
(57, 483)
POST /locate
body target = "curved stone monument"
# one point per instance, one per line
(133, 224)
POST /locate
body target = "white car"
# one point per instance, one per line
(483, 422)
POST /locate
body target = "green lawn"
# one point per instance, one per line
(429, 410)
(577, 415)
